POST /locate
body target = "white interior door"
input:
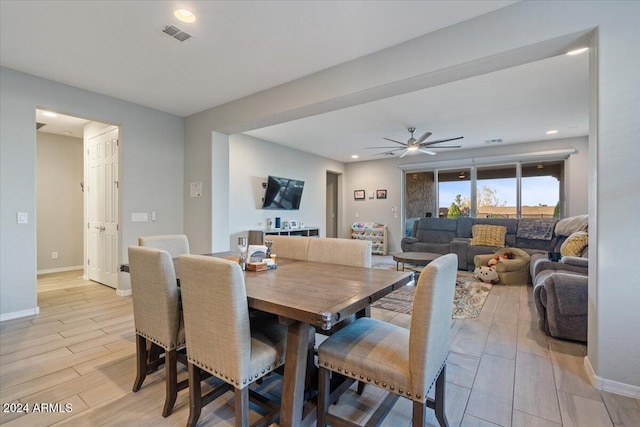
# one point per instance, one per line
(102, 192)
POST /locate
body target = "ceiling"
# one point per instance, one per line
(243, 47)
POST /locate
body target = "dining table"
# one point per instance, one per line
(306, 294)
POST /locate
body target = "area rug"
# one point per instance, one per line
(470, 295)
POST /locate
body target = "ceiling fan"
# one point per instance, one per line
(413, 144)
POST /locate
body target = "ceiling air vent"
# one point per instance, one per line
(39, 125)
(493, 141)
(176, 33)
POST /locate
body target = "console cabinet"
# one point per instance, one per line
(373, 231)
(257, 237)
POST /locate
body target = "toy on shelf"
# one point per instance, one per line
(375, 232)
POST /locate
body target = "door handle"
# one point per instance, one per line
(100, 228)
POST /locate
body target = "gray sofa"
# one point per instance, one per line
(444, 235)
(560, 289)
(561, 295)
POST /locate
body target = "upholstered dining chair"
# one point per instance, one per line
(351, 252)
(292, 247)
(157, 316)
(223, 339)
(404, 362)
(175, 244)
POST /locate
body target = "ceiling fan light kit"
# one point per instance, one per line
(414, 144)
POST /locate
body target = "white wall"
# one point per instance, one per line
(151, 173)
(251, 161)
(386, 174)
(60, 212)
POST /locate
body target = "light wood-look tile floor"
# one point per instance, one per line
(79, 352)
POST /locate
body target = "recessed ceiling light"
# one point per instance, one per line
(552, 132)
(355, 156)
(49, 114)
(185, 16)
(578, 51)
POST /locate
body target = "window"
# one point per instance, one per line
(496, 192)
(454, 193)
(541, 189)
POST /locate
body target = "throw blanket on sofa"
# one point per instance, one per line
(536, 228)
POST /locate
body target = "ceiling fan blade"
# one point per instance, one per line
(431, 153)
(384, 148)
(424, 144)
(448, 146)
(423, 137)
(397, 142)
(404, 154)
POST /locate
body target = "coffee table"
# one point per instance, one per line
(416, 258)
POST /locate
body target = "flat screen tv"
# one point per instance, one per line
(282, 193)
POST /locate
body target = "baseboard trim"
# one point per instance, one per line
(610, 386)
(61, 270)
(123, 293)
(19, 314)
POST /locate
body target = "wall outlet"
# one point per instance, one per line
(54, 255)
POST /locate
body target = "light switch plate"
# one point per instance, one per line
(22, 217)
(139, 217)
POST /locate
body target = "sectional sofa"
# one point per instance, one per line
(445, 235)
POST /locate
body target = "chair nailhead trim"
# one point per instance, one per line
(384, 385)
(178, 344)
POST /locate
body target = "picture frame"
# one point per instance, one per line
(359, 194)
(381, 194)
(293, 223)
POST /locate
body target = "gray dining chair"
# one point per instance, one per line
(404, 362)
(157, 317)
(175, 244)
(223, 339)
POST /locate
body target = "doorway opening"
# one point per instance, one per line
(77, 187)
(332, 205)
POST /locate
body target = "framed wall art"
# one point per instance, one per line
(381, 194)
(359, 194)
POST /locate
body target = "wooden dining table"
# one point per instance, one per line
(305, 294)
(308, 294)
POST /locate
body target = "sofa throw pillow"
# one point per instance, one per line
(574, 244)
(488, 235)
